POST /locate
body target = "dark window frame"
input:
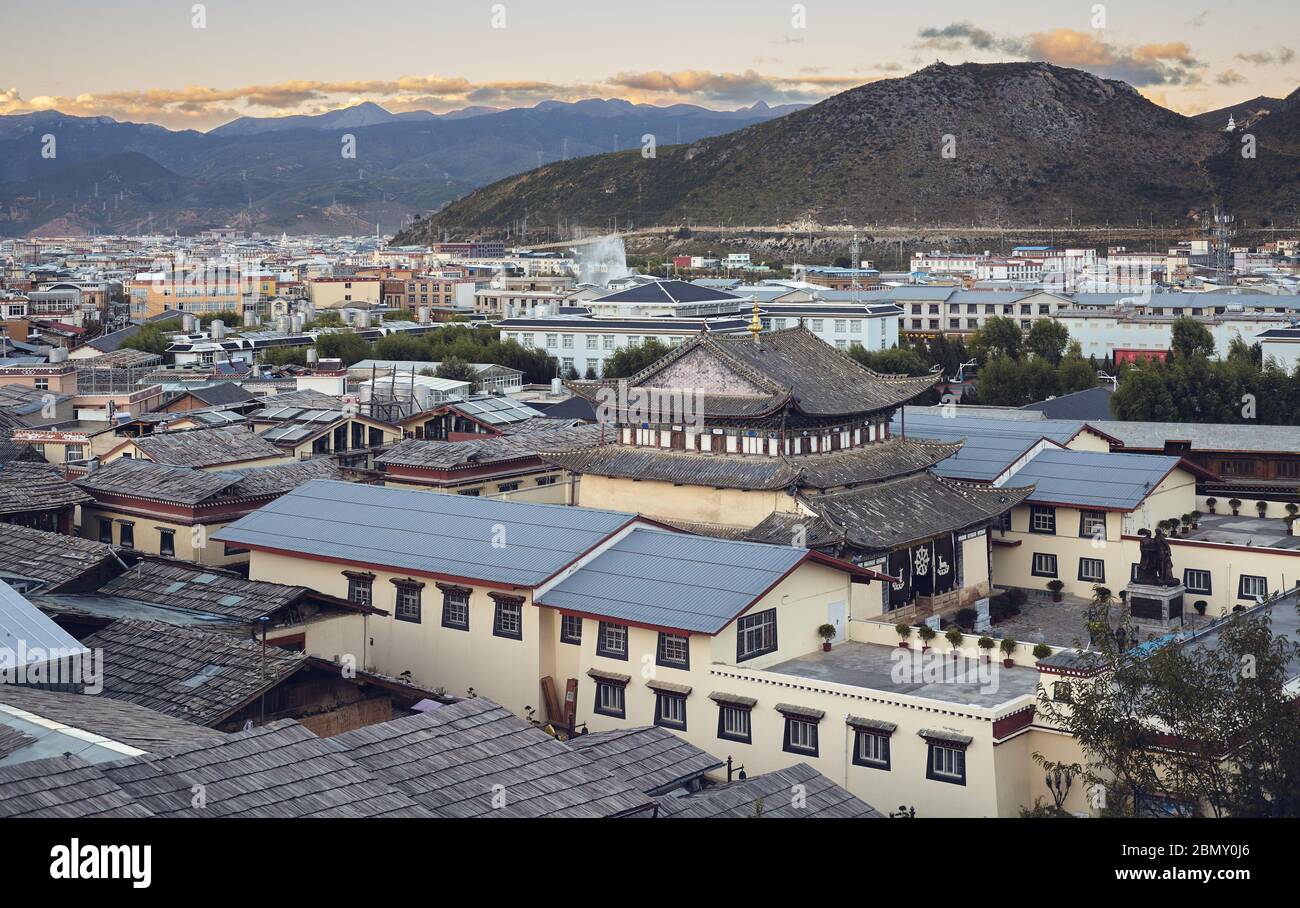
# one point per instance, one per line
(788, 747)
(930, 773)
(741, 654)
(1241, 587)
(724, 735)
(447, 593)
(565, 637)
(1086, 515)
(1033, 565)
(1037, 509)
(126, 534)
(660, 697)
(621, 687)
(601, 649)
(106, 523)
(501, 602)
(405, 586)
(1101, 561)
(662, 660)
(166, 542)
(1209, 581)
(858, 760)
(357, 582)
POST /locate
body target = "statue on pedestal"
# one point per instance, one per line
(1156, 567)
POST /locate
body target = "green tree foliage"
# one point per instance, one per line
(231, 318)
(153, 338)
(284, 356)
(348, 347)
(894, 361)
(631, 360)
(1189, 338)
(1197, 389)
(1076, 374)
(457, 370)
(1047, 339)
(402, 347)
(1000, 383)
(1000, 336)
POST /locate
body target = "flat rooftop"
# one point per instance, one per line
(873, 666)
(1260, 532)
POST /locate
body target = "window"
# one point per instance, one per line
(105, 531)
(670, 710)
(1250, 587)
(455, 608)
(815, 325)
(361, 588)
(840, 325)
(1061, 692)
(1092, 523)
(127, 538)
(756, 635)
(546, 480)
(609, 699)
(1044, 565)
(73, 453)
(1092, 569)
(508, 487)
(592, 341)
(570, 629)
(733, 723)
(509, 619)
(167, 542)
(1042, 519)
(871, 748)
(408, 602)
(673, 651)
(800, 736)
(947, 763)
(1197, 581)
(612, 641)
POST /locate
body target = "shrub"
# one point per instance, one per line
(966, 617)
(1042, 651)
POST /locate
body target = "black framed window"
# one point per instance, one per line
(610, 700)
(946, 763)
(1251, 586)
(1197, 581)
(361, 589)
(1044, 565)
(407, 606)
(455, 608)
(670, 710)
(1092, 523)
(570, 629)
(673, 651)
(105, 531)
(1042, 519)
(126, 538)
(167, 543)
(800, 735)
(733, 723)
(1062, 692)
(508, 620)
(871, 748)
(756, 635)
(612, 640)
(1092, 570)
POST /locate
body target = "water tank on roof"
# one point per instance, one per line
(423, 315)
(217, 330)
(282, 324)
(58, 355)
(250, 318)
(189, 324)
(362, 319)
(298, 322)
(312, 356)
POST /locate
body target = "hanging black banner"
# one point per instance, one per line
(900, 566)
(945, 565)
(923, 569)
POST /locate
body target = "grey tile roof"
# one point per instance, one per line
(128, 723)
(57, 559)
(63, 787)
(450, 455)
(653, 759)
(1205, 436)
(426, 532)
(673, 580)
(206, 447)
(191, 485)
(1093, 479)
(817, 797)
(735, 471)
(191, 674)
(27, 486)
(183, 585)
(450, 759)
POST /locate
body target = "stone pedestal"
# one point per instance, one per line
(1151, 604)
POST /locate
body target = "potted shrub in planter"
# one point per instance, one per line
(904, 631)
(827, 633)
(1262, 507)
(1056, 586)
(926, 633)
(1008, 648)
(1235, 504)
(1042, 651)
(1187, 524)
(1200, 605)
(1196, 520)
(1292, 508)
(954, 640)
(986, 644)
(1210, 503)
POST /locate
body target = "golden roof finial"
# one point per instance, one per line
(755, 326)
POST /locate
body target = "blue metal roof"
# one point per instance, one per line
(459, 536)
(991, 445)
(1092, 479)
(673, 580)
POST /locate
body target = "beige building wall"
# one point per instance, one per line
(557, 492)
(148, 535)
(691, 503)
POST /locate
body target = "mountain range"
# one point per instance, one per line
(1014, 144)
(290, 173)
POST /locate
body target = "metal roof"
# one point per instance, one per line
(426, 532)
(664, 579)
(496, 410)
(1093, 479)
(991, 445)
(28, 635)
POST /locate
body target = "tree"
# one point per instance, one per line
(1000, 336)
(1076, 374)
(1210, 726)
(1143, 394)
(1189, 338)
(894, 361)
(458, 370)
(152, 338)
(345, 346)
(1047, 339)
(631, 360)
(999, 383)
(402, 347)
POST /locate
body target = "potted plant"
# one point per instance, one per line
(1210, 503)
(1042, 651)
(1008, 647)
(904, 631)
(827, 633)
(1056, 586)
(1187, 523)
(1200, 605)
(1196, 520)
(926, 633)
(1262, 507)
(1235, 504)
(1290, 519)
(986, 644)
(954, 636)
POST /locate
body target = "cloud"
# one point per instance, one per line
(1282, 55)
(1171, 63)
(1229, 77)
(731, 87)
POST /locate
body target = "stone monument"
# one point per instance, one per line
(1155, 596)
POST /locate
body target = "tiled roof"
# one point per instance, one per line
(128, 723)
(190, 485)
(52, 557)
(653, 759)
(29, 486)
(772, 795)
(448, 455)
(183, 585)
(206, 447)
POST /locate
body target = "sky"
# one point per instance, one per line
(192, 65)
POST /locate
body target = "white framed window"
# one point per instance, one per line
(1252, 587)
(1044, 565)
(670, 710)
(609, 699)
(947, 764)
(755, 634)
(612, 641)
(455, 609)
(733, 723)
(674, 651)
(1092, 569)
(800, 736)
(1042, 519)
(1197, 581)
(872, 749)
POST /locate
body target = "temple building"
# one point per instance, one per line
(782, 438)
